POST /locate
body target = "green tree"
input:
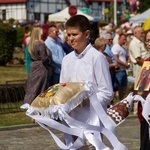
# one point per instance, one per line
(8, 41)
(144, 5)
(111, 13)
(111, 10)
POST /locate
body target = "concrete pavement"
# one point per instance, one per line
(34, 137)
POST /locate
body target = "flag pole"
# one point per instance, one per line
(115, 12)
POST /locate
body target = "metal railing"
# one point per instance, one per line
(12, 95)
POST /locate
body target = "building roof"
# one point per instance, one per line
(12, 1)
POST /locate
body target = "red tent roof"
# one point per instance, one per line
(12, 1)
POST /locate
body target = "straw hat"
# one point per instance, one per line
(129, 32)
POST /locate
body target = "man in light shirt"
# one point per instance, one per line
(116, 37)
(137, 50)
(57, 53)
(137, 53)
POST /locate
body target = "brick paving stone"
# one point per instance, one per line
(37, 138)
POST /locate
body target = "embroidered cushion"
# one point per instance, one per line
(58, 94)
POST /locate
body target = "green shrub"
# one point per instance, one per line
(19, 37)
(7, 43)
(11, 20)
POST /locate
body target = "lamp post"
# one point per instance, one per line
(115, 12)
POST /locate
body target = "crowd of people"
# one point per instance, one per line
(66, 55)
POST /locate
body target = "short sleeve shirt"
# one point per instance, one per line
(121, 52)
(137, 49)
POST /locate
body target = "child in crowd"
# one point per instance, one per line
(85, 63)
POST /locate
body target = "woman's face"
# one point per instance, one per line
(102, 48)
(148, 41)
(77, 39)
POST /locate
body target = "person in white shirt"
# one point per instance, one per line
(122, 58)
(116, 37)
(60, 27)
(85, 63)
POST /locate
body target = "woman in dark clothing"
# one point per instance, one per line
(38, 75)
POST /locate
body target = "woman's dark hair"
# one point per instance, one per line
(79, 21)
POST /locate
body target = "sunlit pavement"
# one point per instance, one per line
(36, 138)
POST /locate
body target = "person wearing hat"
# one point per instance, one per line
(129, 35)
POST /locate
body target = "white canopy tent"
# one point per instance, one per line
(140, 18)
(64, 15)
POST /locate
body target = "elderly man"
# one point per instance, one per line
(137, 54)
(109, 40)
(114, 64)
(137, 50)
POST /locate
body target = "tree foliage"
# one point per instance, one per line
(7, 44)
(144, 5)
